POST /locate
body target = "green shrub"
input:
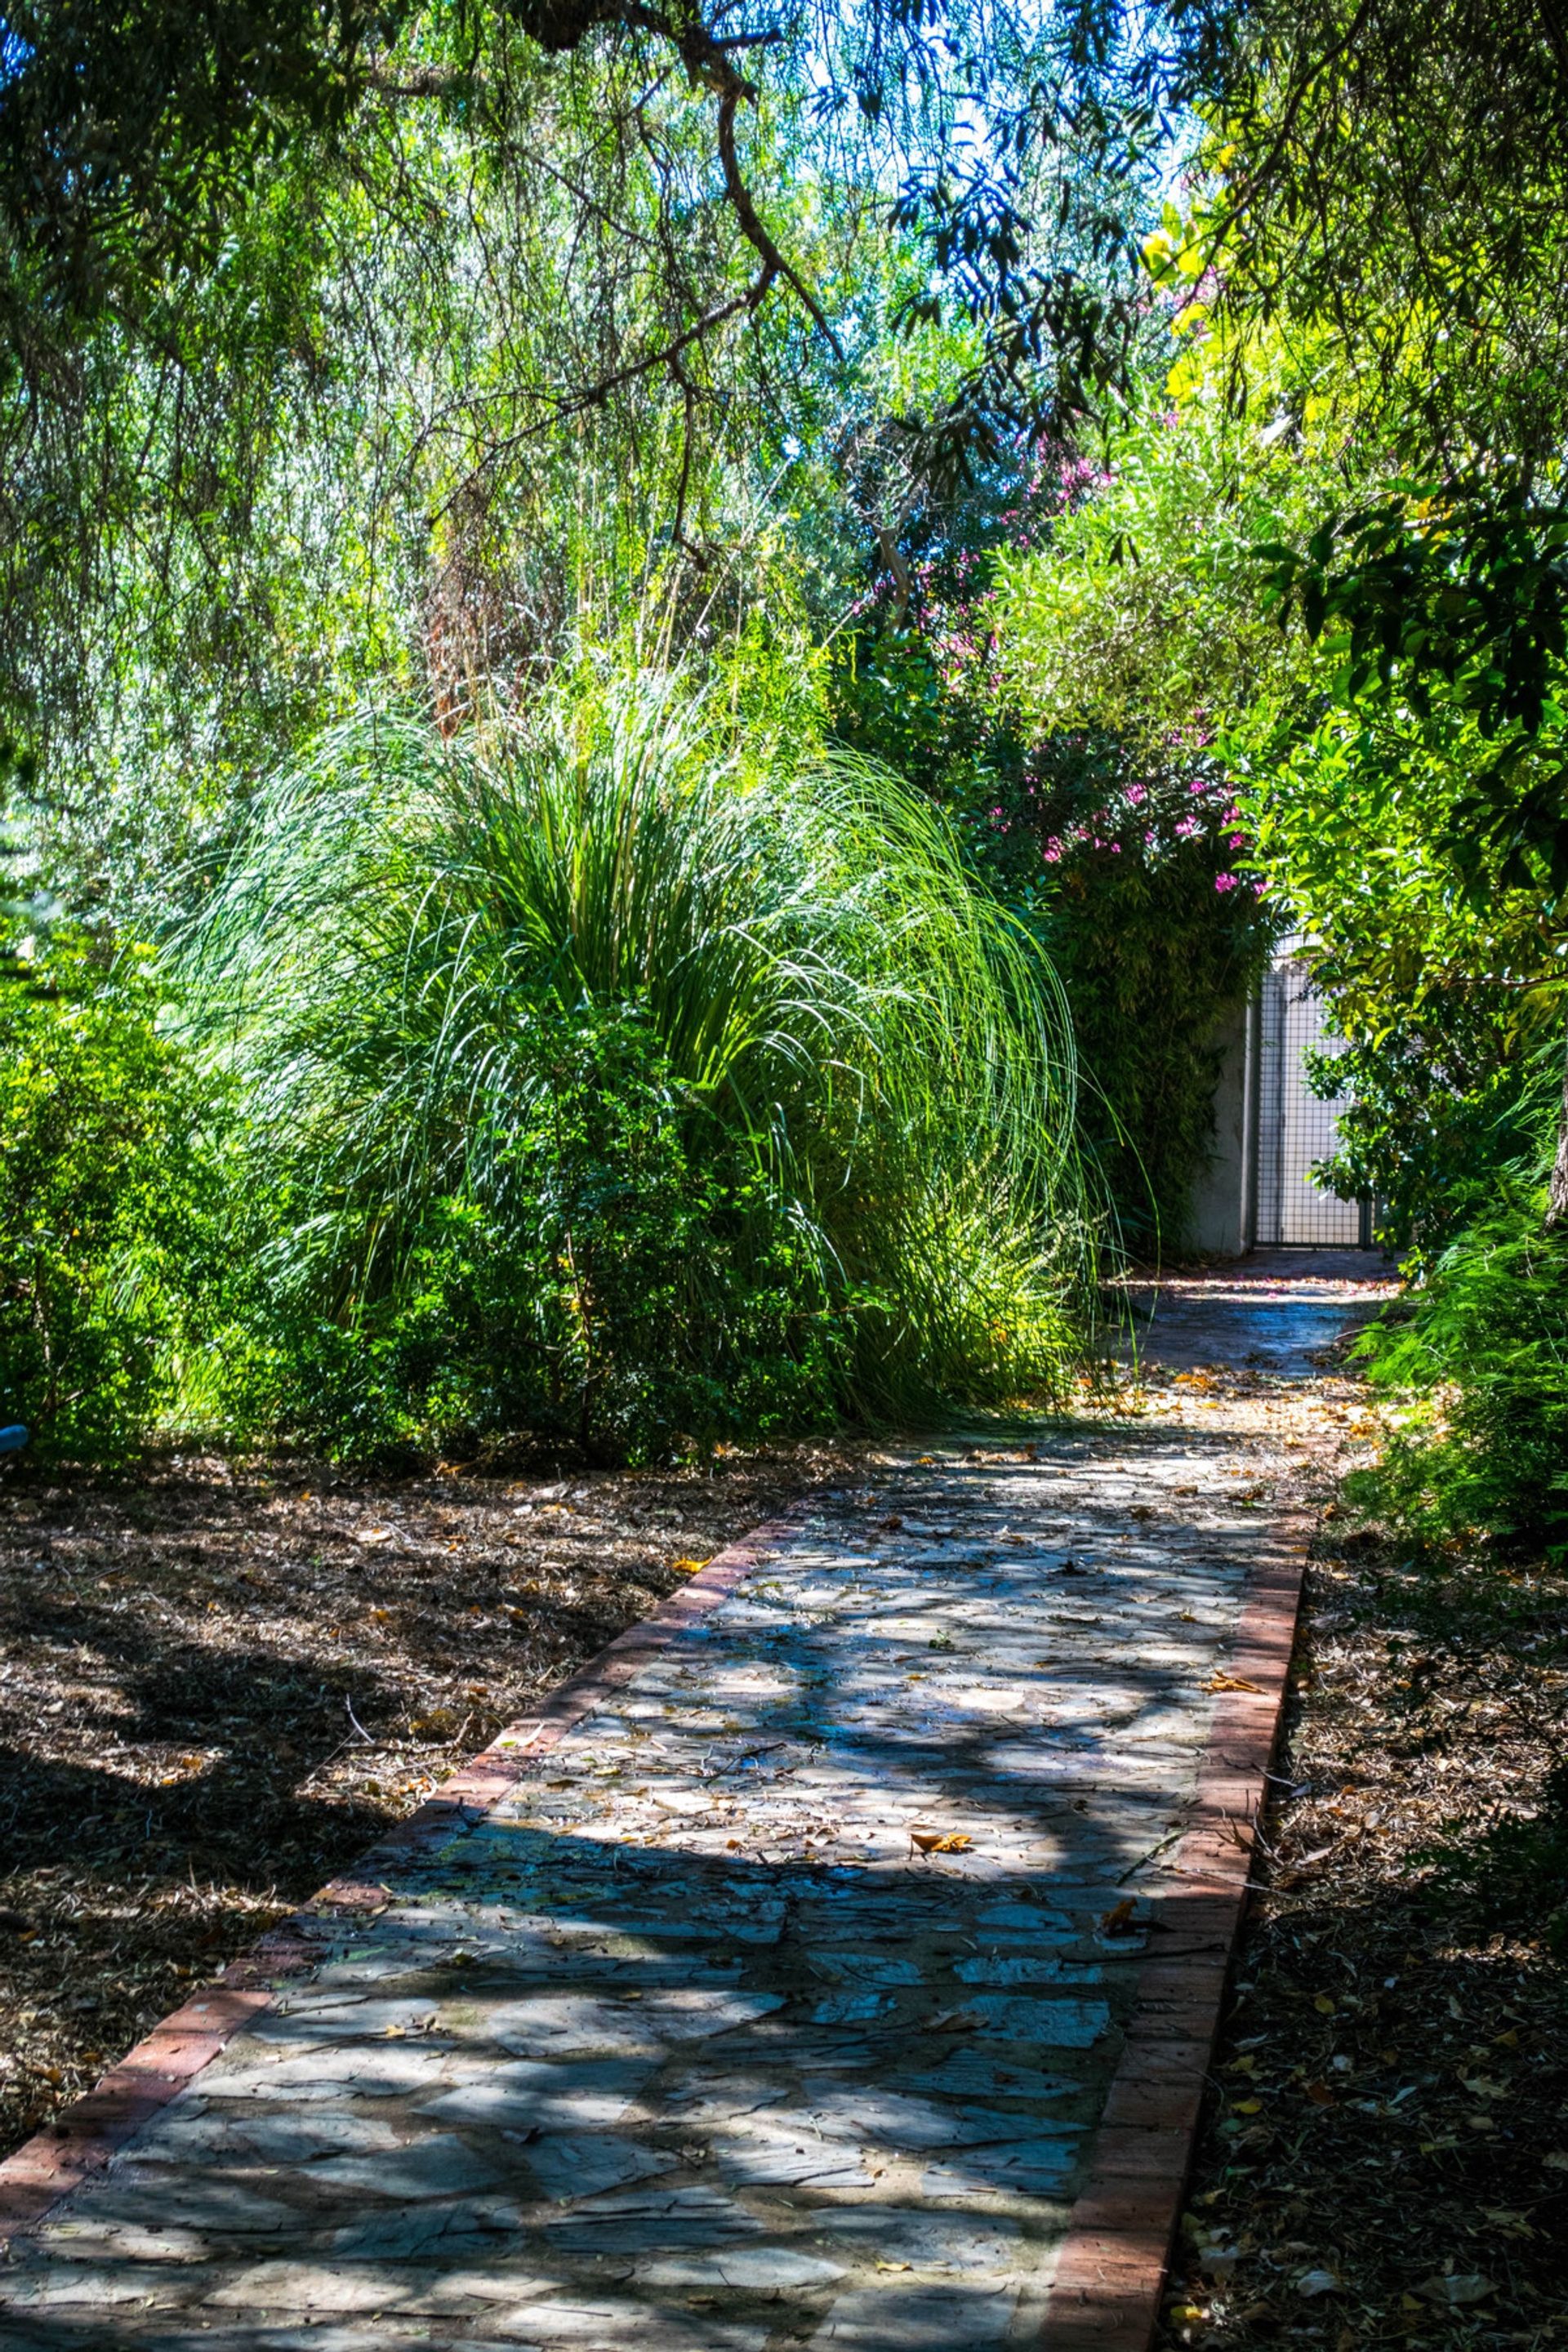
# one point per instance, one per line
(105, 1187)
(1481, 1354)
(620, 1283)
(1446, 1092)
(601, 1085)
(1115, 859)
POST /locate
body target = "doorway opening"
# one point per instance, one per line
(1294, 1128)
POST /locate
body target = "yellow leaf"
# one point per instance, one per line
(941, 1842)
(1323, 2005)
(1250, 2107)
(689, 1567)
(1223, 1682)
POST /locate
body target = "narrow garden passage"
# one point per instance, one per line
(772, 1997)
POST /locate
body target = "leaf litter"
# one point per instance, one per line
(221, 1680)
(1385, 2155)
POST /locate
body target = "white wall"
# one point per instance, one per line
(1219, 1217)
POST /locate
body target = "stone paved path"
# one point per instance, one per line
(775, 2003)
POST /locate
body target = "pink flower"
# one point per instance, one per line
(1225, 882)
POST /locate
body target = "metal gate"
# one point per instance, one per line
(1294, 1128)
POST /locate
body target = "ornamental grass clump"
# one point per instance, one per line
(602, 1080)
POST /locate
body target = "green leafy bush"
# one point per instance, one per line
(1442, 1100)
(617, 1283)
(1481, 1354)
(1120, 860)
(106, 1194)
(604, 1084)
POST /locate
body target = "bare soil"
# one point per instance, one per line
(1386, 2155)
(221, 1681)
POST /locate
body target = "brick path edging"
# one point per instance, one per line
(1112, 2270)
(82, 2139)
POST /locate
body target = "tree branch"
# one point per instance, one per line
(751, 226)
(596, 394)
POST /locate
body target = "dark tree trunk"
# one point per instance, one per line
(1557, 1191)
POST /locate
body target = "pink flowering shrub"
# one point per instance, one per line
(1132, 870)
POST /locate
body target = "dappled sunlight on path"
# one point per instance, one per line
(775, 2003)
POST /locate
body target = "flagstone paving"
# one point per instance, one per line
(775, 2004)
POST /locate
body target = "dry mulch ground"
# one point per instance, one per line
(222, 1680)
(1386, 2156)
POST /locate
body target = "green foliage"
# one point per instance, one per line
(1157, 941)
(1481, 1357)
(1122, 631)
(1140, 615)
(107, 1188)
(1452, 602)
(619, 1282)
(1447, 998)
(1387, 180)
(693, 1090)
(1121, 865)
(1443, 1098)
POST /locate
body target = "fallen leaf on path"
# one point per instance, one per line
(689, 1567)
(1221, 1682)
(941, 1840)
(1119, 1920)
